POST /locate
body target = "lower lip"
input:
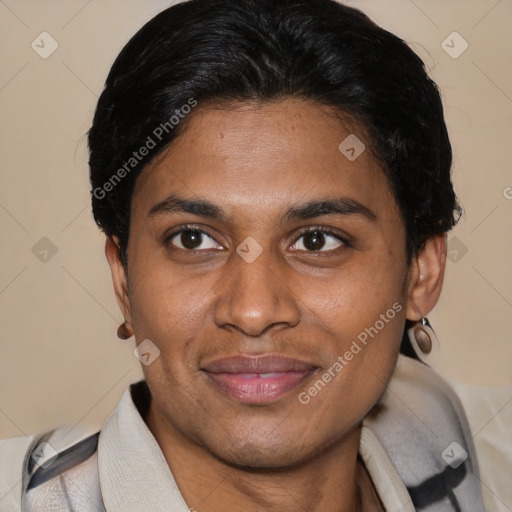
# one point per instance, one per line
(255, 389)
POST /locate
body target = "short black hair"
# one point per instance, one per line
(263, 50)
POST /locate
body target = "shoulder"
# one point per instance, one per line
(58, 470)
(422, 425)
(491, 418)
(12, 456)
(39, 469)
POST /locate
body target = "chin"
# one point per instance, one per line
(248, 450)
(254, 457)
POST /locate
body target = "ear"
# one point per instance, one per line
(426, 278)
(119, 279)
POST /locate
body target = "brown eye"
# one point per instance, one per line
(314, 240)
(192, 239)
(318, 240)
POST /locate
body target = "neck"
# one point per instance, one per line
(330, 481)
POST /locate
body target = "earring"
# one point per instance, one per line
(123, 332)
(424, 341)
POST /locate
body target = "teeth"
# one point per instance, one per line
(266, 375)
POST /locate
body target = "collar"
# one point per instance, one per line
(386, 480)
(133, 472)
(135, 476)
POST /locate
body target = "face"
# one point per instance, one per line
(268, 269)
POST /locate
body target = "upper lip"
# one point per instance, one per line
(266, 363)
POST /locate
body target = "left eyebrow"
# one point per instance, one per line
(344, 206)
(336, 206)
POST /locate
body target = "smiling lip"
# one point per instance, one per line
(257, 379)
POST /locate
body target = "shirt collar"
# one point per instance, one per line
(133, 472)
(386, 480)
(135, 476)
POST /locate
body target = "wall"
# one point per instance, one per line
(61, 362)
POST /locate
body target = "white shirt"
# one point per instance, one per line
(135, 476)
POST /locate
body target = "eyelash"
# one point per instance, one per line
(191, 227)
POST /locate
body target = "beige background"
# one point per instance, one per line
(60, 360)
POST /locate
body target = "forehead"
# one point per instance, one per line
(263, 154)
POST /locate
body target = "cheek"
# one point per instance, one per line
(354, 297)
(164, 295)
(363, 311)
(362, 361)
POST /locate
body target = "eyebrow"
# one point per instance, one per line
(303, 211)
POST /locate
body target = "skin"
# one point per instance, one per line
(255, 162)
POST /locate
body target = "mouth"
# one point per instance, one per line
(257, 379)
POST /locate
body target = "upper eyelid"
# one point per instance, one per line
(191, 227)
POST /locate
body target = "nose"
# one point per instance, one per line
(255, 297)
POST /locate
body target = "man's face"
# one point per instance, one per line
(248, 310)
